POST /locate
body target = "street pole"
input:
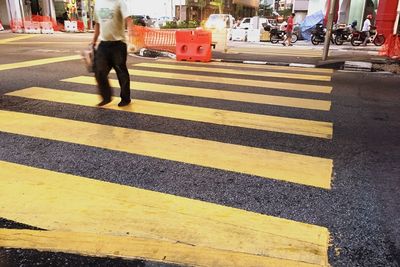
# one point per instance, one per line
(329, 29)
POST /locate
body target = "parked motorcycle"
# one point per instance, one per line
(375, 38)
(344, 34)
(278, 35)
(318, 34)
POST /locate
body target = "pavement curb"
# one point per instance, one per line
(266, 63)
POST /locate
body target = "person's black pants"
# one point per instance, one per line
(109, 55)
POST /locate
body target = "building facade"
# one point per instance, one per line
(201, 9)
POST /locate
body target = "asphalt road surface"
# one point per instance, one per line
(211, 165)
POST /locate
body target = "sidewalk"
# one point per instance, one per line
(302, 52)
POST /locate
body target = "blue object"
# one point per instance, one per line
(309, 23)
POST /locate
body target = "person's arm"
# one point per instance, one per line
(96, 34)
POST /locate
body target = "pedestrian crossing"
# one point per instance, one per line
(278, 50)
(153, 224)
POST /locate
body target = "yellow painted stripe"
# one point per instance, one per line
(49, 43)
(208, 115)
(38, 197)
(253, 66)
(234, 81)
(285, 75)
(216, 94)
(101, 245)
(20, 37)
(301, 169)
(37, 62)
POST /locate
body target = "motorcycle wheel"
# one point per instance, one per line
(355, 41)
(314, 40)
(294, 38)
(274, 39)
(338, 40)
(379, 40)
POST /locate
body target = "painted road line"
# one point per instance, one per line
(13, 39)
(37, 62)
(234, 81)
(103, 245)
(191, 113)
(295, 168)
(215, 94)
(38, 197)
(285, 75)
(252, 66)
(49, 43)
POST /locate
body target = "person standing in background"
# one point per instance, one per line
(366, 28)
(112, 51)
(289, 31)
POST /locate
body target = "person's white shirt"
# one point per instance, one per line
(366, 25)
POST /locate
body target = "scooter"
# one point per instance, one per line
(278, 35)
(375, 38)
(345, 34)
(318, 35)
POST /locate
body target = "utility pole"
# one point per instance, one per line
(329, 29)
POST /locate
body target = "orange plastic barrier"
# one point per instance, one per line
(46, 19)
(155, 39)
(32, 27)
(193, 45)
(391, 48)
(17, 26)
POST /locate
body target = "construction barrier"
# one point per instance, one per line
(47, 27)
(154, 39)
(71, 26)
(17, 26)
(391, 48)
(1, 26)
(32, 27)
(220, 39)
(193, 45)
(253, 35)
(45, 19)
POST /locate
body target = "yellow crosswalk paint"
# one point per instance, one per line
(216, 94)
(109, 219)
(286, 75)
(13, 39)
(326, 89)
(301, 169)
(128, 247)
(252, 66)
(37, 62)
(209, 115)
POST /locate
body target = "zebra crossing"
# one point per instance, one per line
(190, 232)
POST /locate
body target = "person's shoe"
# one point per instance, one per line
(124, 103)
(104, 102)
(290, 45)
(284, 44)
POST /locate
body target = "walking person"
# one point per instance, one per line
(366, 28)
(289, 31)
(112, 51)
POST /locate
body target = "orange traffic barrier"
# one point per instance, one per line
(32, 27)
(17, 26)
(154, 39)
(391, 48)
(193, 45)
(47, 19)
(47, 27)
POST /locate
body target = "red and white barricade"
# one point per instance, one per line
(71, 26)
(17, 26)
(47, 27)
(1, 26)
(32, 27)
